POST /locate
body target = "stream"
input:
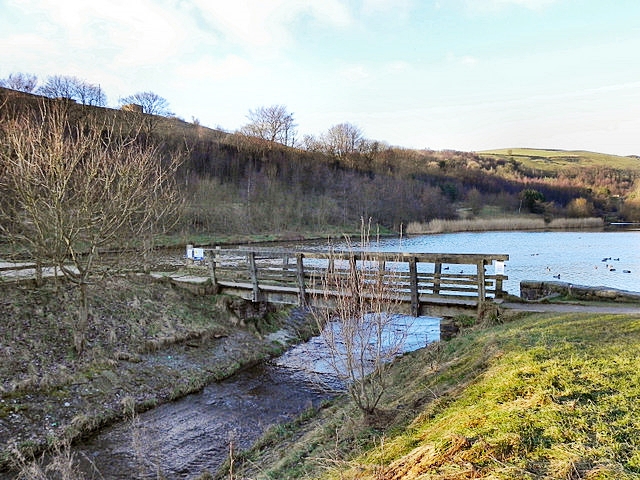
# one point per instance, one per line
(180, 440)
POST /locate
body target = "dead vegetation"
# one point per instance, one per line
(149, 343)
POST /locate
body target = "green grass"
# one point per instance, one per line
(554, 160)
(212, 239)
(546, 396)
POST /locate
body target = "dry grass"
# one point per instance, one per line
(505, 223)
(130, 316)
(61, 464)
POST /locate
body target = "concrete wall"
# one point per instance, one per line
(536, 290)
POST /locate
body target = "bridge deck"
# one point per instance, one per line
(424, 283)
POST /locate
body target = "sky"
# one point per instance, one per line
(467, 75)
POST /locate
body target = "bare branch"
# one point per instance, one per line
(71, 189)
(358, 331)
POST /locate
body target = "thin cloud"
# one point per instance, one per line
(495, 5)
(402, 7)
(208, 68)
(259, 24)
(355, 73)
(398, 67)
(131, 32)
(465, 60)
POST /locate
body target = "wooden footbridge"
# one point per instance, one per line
(436, 284)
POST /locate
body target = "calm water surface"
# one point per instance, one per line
(576, 256)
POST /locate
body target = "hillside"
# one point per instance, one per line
(237, 187)
(555, 160)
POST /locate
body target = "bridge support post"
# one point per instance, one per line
(437, 272)
(482, 293)
(302, 294)
(413, 279)
(499, 291)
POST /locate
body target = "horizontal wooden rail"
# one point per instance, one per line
(300, 277)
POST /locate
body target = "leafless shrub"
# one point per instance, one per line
(358, 329)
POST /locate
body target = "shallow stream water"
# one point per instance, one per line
(183, 438)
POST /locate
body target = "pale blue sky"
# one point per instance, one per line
(442, 74)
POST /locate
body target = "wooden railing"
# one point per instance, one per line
(417, 281)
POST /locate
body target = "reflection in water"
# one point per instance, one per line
(183, 438)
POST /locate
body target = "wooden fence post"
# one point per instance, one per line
(211, 262)
(481, 286)
(354, 277)
(437, 272)
(302, 294)
(499, 291)
(413, 277)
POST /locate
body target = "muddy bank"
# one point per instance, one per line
(150, 343)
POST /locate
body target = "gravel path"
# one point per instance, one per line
(573, 308)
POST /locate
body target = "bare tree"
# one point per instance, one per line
(342, 140)
(58, 86)
(274, 124)
(70, 190)
(22, 82)
(151, 103)
(89, 94)
(150, 107)
(73, 88)
(359, 331)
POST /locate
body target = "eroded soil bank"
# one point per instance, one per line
(149, 343)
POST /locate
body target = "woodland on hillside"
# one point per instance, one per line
(238, 183)
(258, 186)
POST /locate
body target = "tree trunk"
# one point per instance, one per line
(147, 247)
(82, 323)
(38, 269)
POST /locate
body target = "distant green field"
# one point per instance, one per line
(554, 160)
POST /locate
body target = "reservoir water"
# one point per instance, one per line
(610, 259)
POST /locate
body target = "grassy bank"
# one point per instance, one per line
(543, 396)
(503, 223)
(149, 343)
(211, 239)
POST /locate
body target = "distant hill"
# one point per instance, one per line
(554, 160)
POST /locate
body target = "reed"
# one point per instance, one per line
(503, 223)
